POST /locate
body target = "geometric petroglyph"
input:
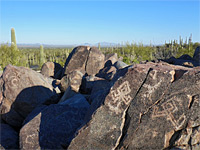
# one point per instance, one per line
(169, 108)
(120, 97)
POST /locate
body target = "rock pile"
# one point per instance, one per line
(99, 102)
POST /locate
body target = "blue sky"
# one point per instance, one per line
(77, 22)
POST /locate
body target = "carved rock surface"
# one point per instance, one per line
(150, 107)
(95, 61)
(51, 69)
(21, 90)
(9, 138)
(166, 105)
(55, 125)
(105, 128)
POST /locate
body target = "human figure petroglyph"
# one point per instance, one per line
(149, 91)
(169, 107)
(120, 97)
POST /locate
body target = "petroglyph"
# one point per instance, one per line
(168, 108)
(149, 91)
(13, 78)
(120, 97)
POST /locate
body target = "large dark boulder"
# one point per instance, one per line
(54, 126)
(84, 59)
(150, 107)
(21, 90)
(95, 61)
(77, 60)
(9, 138)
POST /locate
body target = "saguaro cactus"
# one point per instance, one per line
(99, 46)
(13, 38)
(42, 59)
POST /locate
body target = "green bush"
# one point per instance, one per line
(10, 55)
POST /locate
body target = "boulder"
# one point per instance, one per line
(112, 57)
(95, 61)
(120, 64)
(88, 83)
(105, 128)
(150, 107)
(9, 137)
(185, 57)
(84, 59)
(52, 69)
(55, 125)
(196, 55)
(164, 110)
(21, 90)
(73, 80)
(184, 60)
(107, 73)
(76, 60)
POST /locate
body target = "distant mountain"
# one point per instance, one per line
(102, 44)
(37, 45)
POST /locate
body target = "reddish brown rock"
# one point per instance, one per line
(22, 89)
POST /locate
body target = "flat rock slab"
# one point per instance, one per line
(147, 108)
(21, 90)
(55, 125)
(9, 138)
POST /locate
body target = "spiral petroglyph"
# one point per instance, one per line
(13, 79)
